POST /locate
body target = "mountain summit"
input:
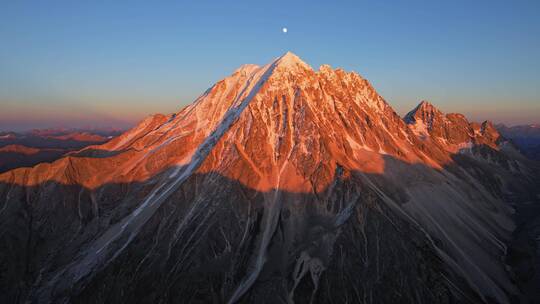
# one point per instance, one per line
(452, 132)
(278, 184)
(290, 61)
(425, 112)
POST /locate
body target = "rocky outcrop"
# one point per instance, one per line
(451, 131)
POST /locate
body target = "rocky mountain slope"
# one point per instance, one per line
(280, 183)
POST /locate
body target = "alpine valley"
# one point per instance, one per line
(279, 184)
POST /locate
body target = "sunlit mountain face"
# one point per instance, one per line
(281, 183)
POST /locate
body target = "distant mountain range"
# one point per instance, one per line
(525, 137)
(26, 149)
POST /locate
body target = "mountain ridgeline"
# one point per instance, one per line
(280, 184)
(28, 149)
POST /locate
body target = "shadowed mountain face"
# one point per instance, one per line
(37, 146)
(525, 137)
(279, 184)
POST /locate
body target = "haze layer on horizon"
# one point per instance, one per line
(77, 64)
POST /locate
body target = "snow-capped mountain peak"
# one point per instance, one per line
(425, 112)
(290, 61)
(451, 132)
(276, 178)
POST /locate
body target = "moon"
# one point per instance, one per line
(284, 30)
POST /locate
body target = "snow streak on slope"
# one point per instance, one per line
(101, 248)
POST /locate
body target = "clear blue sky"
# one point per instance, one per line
(76, 63)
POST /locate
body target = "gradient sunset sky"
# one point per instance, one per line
(111, 63)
